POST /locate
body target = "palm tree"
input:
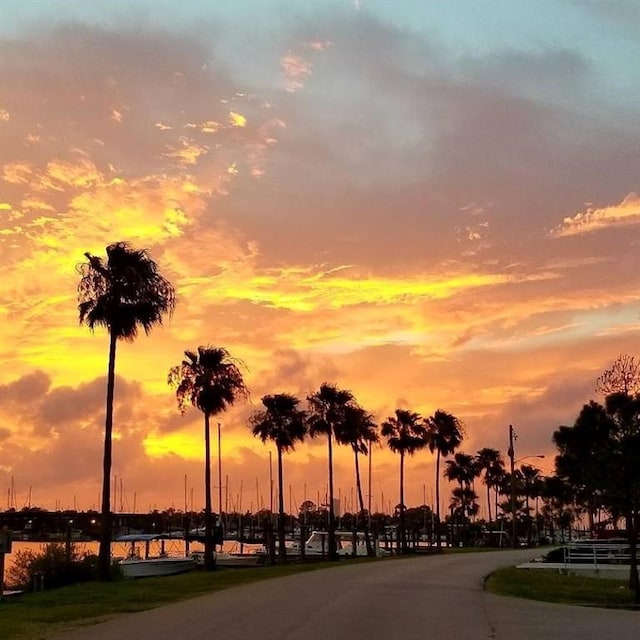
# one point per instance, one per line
(405, 434)
(211, 381)
(463, 505)
(358, 430)
(284, 424)
(463, 469)
(532, 479)
(445, 434)
(122, 294)
(327, 407)
(498, 481)
(488, 461)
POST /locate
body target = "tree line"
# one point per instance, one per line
(598, 465)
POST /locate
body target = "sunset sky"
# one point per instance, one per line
(432, 204)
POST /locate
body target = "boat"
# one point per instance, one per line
(139, 565)
(160, 566)
(233, 558)
(317, 544)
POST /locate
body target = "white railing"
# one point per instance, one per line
(597, 553)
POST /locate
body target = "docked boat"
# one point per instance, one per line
(317, 544)
(234, 557)
(144, 564)
(160, 566)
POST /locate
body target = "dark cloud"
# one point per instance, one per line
(391, 136)
(86, 402)
(296, 373)
(173, 421)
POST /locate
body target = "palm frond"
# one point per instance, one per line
(124, 293)
(208, 379)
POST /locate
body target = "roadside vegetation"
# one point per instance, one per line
(551, 586)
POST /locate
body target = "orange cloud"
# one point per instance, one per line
(625, 213)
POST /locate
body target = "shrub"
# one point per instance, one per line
(555, 555)
(55, 565)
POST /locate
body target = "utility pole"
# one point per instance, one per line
(511, 454)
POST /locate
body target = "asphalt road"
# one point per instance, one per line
(423, 598)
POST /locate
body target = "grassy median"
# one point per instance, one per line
(34, 616)
(552, 586)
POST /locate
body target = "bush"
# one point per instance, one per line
(54, 565)
(555, 555)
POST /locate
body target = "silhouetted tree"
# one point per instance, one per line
(444, 435)
(123, 293)
(463, 469)
(326, 411)
(600, 458)
(532, 481)
(284, 424)
(211, 381)
(491, 465)
(622, 377)
(405, 433)
(358, 430)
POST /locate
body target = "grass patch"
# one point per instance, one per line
(552, 586)
(32, 615)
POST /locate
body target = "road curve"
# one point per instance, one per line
(415, 598)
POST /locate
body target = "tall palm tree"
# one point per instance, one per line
(284, 424)
(488, 461)
(405, 433)
(499, 483)
(211, 381)
(358, 430)
(444, 434)
(123, 293)
(327, 407)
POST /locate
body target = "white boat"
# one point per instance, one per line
(160, 566)
(143, 565)
(317, 544)
(234, 557)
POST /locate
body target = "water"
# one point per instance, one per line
(122, 549)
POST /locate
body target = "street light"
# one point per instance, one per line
(511, 454)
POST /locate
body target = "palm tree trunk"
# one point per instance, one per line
(402, 539)
(332, 518)
(104, 554)
(438, 542)
(527, 489)
(209, 563)
(489, 500)
(367, 538)
(282, 550)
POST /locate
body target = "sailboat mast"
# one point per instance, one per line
(219, 473)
